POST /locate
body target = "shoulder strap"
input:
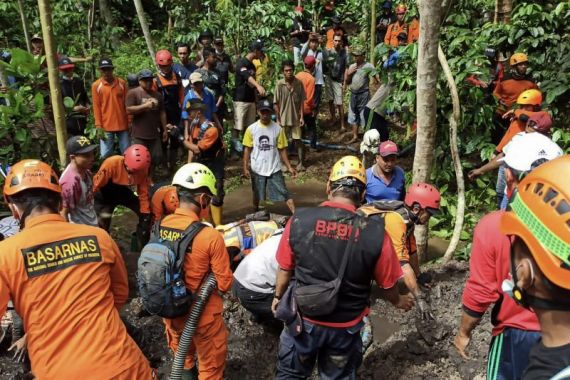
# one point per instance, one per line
(186, 238)
(343, 265)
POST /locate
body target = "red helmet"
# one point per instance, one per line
(540, 122)
(163, 58)
(426, 195)
(137, 158)
(170, 200)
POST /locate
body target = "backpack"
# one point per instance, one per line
(160, 274)
(382, 207)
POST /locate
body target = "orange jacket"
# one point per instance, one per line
(414, 31)
(113, 170)
(208, 254)
(109, 105)
(156, 205)
(68, 281)
(515, 127)
(391, 37)
(508, 90)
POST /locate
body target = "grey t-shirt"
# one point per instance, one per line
(77, 196)
(361, 78)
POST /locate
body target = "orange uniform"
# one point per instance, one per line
(208, 254)
(113, 170)
(109, 105)
(165, 82)
(156, 202)
(68, 282)
(515, 127)
(309, 85)
(391, 37)
(414, 31)
(207, 140)
(508, 90)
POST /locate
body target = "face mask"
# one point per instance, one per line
(510, 288)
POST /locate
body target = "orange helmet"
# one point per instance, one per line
(540, 216)
(530, 97)
(518, 58)
(170, 200)
(401, 9)
(30, 174)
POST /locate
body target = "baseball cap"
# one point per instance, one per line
(37, 37)
(526, 150)
(65, 63)
(357, 51)
(309, 61)
(195, 104)
(105, 62)
(218, 40)
(145, 74)
(387, 148)
(196, 77)
(540, 121)
(264, 105)
(79, 145)
(256, 45)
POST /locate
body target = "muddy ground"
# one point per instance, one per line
(398, 351)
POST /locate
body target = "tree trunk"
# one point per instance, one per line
(503, 10)
(144, 27)
(426, 82)
(453, 123)
(25, 25)
(372, 31)
(107, 16)
(53, 78)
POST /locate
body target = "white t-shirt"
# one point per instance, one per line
(265, 141)
(319, 78)
(258, 270)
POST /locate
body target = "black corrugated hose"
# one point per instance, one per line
(201, 299)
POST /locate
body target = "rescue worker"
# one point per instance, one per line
(111, 188)
(508, 90)
(312, 248)
(538, 226)
(196, 186)
(169, 85)
(421, 202)
(163, 201)
(515, 330)
(414, 30)
(68, 282)
(205, 145)
(397, 27)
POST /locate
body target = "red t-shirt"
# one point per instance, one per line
(386, 273)
(489, 265)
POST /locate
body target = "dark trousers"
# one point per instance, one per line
(375, 121)
(318, 95)
(337, 352)
(500, 126)
(217, 166)
(258, 304)
(509, 352)
(109, 197)
(311, 128)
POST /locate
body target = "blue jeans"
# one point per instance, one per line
(338, 352)
(108, 144)
(501, 186)
(509, 352)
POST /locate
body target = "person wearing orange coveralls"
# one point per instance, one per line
(111, 188)
(399, 26)
(68, 282)
(163, 201)
(196, 186)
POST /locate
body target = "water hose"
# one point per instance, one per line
(332, 146)
(198, 305)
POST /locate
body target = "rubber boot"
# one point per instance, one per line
(216, 213)
(189, 374)
(301, 153)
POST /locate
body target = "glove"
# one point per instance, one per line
(425, 309)
(424, 279)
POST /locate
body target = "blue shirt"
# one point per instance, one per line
(184, 71)
(208, 100)
(377, 190)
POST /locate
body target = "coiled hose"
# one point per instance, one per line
(190, 326)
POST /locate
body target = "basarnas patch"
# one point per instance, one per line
(52, 257)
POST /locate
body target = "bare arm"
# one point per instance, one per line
(135, 110)
(246, 154)
(410, 280)
(285, 160)
(466, 327)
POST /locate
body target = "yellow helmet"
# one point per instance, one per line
(530, 97)
(193, 176)
(518, 58)
(348, 166)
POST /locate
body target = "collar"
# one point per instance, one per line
(343, 206)
(185, 212)
(33, 221)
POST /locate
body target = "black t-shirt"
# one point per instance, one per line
(244, 92)
(545, 362)
(223, 66)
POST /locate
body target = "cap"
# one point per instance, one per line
(387, 5)
(145, 74)
(528, 150)
(264, 105)
(79, 145)
(195, 105)
(387, 148)
(65, 63)
(105, 62)
(218, 40)
(196, 77)
(357, 51)
(309, 61)
(256, 45)
(37, 37)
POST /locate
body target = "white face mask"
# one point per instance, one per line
(508, 284)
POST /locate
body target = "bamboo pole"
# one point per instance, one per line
(144, 27)
(25, 25)
(372, 31)
(53, 78)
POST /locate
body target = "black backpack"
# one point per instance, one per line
(160, 274)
